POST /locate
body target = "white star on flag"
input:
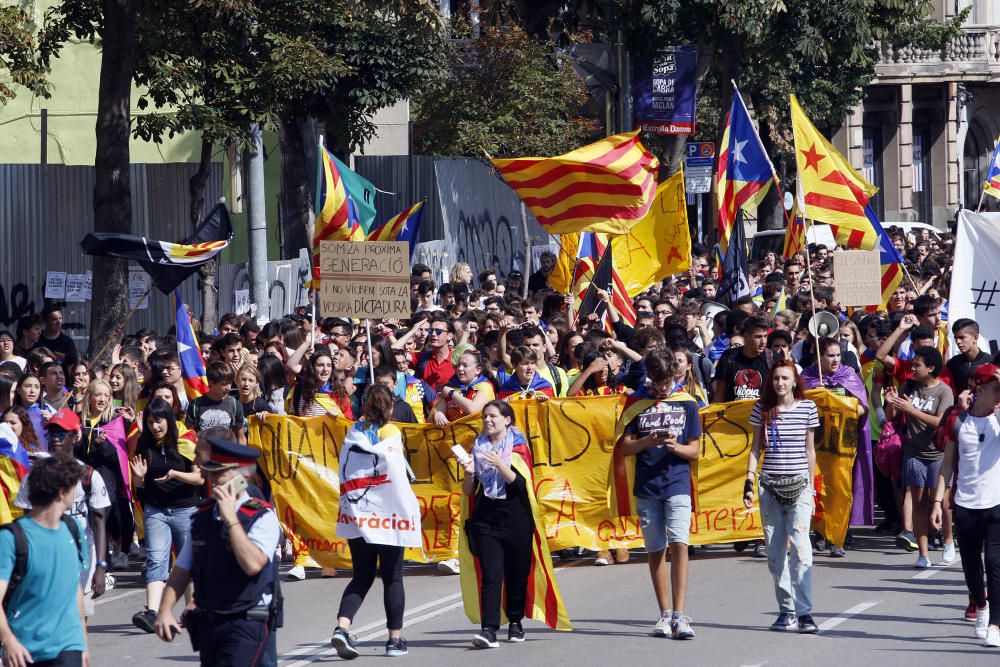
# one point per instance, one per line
(182, 347)
(738, 151)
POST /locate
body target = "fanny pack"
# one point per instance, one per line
(786, 489)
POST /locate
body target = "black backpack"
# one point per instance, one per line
(21, 552)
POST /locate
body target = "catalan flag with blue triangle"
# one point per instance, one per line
(892, 263)
(991, 185)
(403, 226)
(745, 172)
(189, 353)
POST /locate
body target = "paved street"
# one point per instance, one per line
(871, 606)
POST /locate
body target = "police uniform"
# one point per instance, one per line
(236, 614)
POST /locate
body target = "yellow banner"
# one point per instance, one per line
(572, 442)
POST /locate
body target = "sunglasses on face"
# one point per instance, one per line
(437, 332)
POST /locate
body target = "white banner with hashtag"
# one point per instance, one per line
(975, 278)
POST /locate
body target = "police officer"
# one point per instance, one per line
(231, 558)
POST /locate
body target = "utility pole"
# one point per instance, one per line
(257, 223)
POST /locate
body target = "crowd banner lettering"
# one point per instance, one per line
(369, 279)
(857, 277)
(572, 441)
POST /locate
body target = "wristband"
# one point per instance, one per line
(103, 564)
(748, 487)
(231, 525)
(938, 501)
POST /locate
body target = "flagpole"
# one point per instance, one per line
(805, 223)
(316, 209)
(371, 366)
(982, 196)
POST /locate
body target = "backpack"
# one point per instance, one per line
(21, 552)
(556, 380)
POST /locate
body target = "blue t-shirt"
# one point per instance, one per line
(658, 473)
(43, 613)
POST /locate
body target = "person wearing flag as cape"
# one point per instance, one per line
(502, 547)
(526, 381)
(466, 392)
(659, 432)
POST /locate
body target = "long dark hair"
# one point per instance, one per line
(769, 397)
(159, 409)
(308, 383)
(272, 373)
(7, 383)
(178, 410)
(385, 350)
(28, 436)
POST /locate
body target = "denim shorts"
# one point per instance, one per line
(664, 521)
(920, 473)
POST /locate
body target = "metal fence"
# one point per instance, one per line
(45, 210)
(405, 179)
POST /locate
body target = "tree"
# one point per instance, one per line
(19, 56)
(507, 95)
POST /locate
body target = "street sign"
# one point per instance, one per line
(699, 158)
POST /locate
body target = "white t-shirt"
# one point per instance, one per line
(978, 485)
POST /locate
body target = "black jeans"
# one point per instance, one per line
(978, 529)
(64, 659)
(388, 560)
(504, 551)
(237, 642)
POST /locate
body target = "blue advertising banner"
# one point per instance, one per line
(664, 90)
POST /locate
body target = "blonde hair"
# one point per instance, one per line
(108, 413)
(457, 270)
(252, 370)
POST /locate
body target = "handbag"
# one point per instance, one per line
(889, 451)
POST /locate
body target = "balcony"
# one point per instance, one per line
(973, 56)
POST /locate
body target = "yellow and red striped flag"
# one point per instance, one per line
(795, 236)
(334, 221)
(830, 190)
(607, 186)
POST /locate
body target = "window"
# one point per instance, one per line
(871, 148)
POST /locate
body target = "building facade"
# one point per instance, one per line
(925, 130)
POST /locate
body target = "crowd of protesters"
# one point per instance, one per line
(928, 451)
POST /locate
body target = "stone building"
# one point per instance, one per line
(925, 131)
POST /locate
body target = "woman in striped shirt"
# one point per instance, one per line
(784, 425)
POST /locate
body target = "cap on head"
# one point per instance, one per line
(983, 374)
(64, 419)
(229, 454)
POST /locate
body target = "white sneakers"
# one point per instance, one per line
(297, 572)
(992, 637)
(948, 554)
(662, 627)
(982, 621)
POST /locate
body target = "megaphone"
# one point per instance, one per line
(824, 325)
(712, 308)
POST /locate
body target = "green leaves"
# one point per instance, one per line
(19, 61)
(505, 94)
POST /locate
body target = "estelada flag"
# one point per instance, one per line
(829, 188)
(991, 185)
(620, 497)
(660, 245)
(168, 264)
(543, 601)
(404, 226)
(596, 269)
(795, 236)
(607, 186)
(336, 218)
(189, 353)
(745, 172)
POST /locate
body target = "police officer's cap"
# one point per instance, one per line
(229, 454)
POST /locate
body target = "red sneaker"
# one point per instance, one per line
(970, 612)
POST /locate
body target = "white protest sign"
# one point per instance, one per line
(137, 291)
(241, 301)
(365, 279)
(55, 285)
(75, 284)
(975, 279)
(857, 277)
(88, 286)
